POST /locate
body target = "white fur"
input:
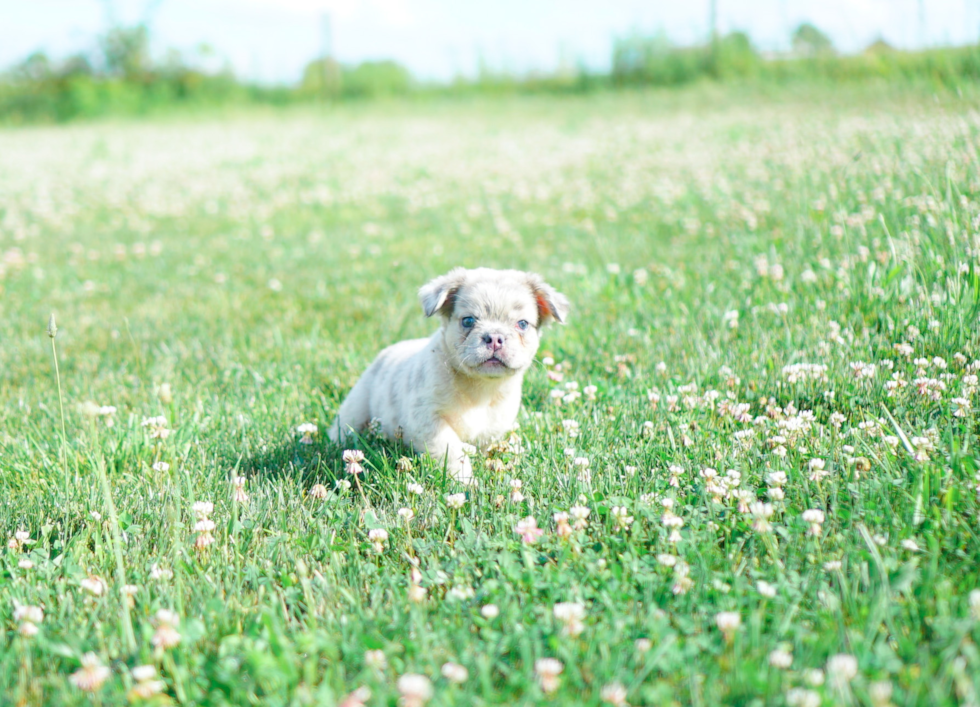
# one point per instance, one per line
(462, 385)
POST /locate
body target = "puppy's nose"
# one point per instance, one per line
(494, 341)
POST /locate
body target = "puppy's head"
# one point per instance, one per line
(492, 318)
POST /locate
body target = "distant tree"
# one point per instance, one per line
(322, 77)
(879, 46)
(126, 51)
(734, 55)
(76, 65)
(376, 78)
(36, 67)
(810, 41)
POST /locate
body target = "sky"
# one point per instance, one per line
(272, 40)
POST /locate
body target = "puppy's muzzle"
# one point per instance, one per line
(494, 341)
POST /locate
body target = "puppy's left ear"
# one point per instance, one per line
(552, 304)
(439, 295)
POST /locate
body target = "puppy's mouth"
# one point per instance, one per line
(493, 364)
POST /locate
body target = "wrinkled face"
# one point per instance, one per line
(493, 328)
(492, 318)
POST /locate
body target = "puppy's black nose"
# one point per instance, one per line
(494, 341)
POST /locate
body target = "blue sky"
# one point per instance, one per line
(271, 40)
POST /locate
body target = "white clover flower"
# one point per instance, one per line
(801, 697)
(461, 592)
(842, 668)
(94, 585)
(815, 517)
(781, 659)
(378, 538)
(961, 407)
(160, 573)
(615, 694)
(880, 693)
(352, 461)
(307, 432)
(621, 517)
(92, 674)
(415, 690)
(455, 500)
(802, 372)
(147, 685)
(761, 512)
(728, 623)
(454, 672)
(375, 659)
(166, 635)
(29, 618)
(548, 670)
(973, 600)
(489, 611)
(571, 614)
(529, 531)
(814, 677)
(861, 370)
(157, 427)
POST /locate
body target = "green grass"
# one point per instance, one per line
(255, 265)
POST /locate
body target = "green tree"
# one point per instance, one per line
(126, 51)
(376, 78)
(322, 78)
(810, 41)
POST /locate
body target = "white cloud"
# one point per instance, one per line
(339, 8)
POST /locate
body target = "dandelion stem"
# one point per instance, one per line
(115, 537)
(178, 683)
(52, 333)
(357, 482)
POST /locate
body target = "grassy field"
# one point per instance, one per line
(752, 450)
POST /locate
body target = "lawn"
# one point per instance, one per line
(752, 450)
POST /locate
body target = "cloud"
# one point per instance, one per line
(390, 12)
(340, 8)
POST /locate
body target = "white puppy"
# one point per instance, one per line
(462, 385)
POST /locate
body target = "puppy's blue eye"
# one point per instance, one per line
(523, 325)
(468, 322)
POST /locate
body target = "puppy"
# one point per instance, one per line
(462, 385)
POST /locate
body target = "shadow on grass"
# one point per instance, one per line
(321, 462)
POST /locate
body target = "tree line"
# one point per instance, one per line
(120, 76)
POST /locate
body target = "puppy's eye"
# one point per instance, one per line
(468, 322)
(523, 324)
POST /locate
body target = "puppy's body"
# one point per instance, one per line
(463, 384)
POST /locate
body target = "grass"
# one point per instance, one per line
(235, 276)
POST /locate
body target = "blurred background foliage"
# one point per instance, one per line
(120, 76)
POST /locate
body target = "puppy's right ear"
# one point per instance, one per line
(439, 294)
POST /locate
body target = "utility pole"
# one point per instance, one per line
(325, 51)
(713, 20)
(784, 21)
(922, 24)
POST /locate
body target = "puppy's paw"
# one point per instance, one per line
(462, 470)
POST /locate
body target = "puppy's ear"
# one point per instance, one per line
(552, 304)
(439, 294)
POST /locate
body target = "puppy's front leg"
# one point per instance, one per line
(445, 444)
